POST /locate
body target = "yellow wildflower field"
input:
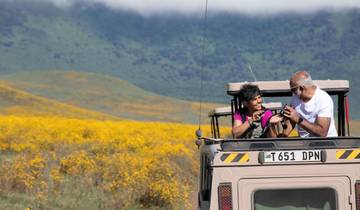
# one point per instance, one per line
(61, 163)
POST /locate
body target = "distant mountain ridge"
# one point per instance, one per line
(162, 54)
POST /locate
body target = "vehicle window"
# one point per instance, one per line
(295, 199)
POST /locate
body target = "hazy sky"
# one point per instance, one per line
(253, 7)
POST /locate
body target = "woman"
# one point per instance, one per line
(253, 120)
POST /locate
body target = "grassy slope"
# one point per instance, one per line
(17, 102)
(106, 94)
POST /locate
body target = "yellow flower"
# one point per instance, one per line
(148, 162)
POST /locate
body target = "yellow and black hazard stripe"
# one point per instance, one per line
(348, 154)
(235, 158)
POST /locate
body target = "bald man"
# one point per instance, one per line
(311, 110)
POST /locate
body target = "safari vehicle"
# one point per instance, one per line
(282, 173)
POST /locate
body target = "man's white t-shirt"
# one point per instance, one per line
(320, 105)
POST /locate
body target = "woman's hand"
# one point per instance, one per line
(256, 116)
(275, 119)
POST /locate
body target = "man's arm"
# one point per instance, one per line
(319, 128)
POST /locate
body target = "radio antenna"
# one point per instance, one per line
(203, 43)
(254, 77)
(252, 73)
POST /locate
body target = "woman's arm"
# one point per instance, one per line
(273, 122)
(240, 128)
(272, 132)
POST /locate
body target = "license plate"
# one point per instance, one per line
(292, 156)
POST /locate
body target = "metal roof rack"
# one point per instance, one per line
(282, 88)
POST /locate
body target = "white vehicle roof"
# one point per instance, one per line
(282, 88)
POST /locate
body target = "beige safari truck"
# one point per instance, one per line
(282, 173)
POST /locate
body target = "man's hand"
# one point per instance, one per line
(291, 114)
(319, 128)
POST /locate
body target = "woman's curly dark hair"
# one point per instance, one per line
(248, 92)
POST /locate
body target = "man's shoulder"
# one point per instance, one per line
(322, 95)
(324, 101)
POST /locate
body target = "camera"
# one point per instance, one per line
(282, 114)
(282, 111)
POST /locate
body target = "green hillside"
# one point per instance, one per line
(162, 54)
(106, 94)
(17, 102)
